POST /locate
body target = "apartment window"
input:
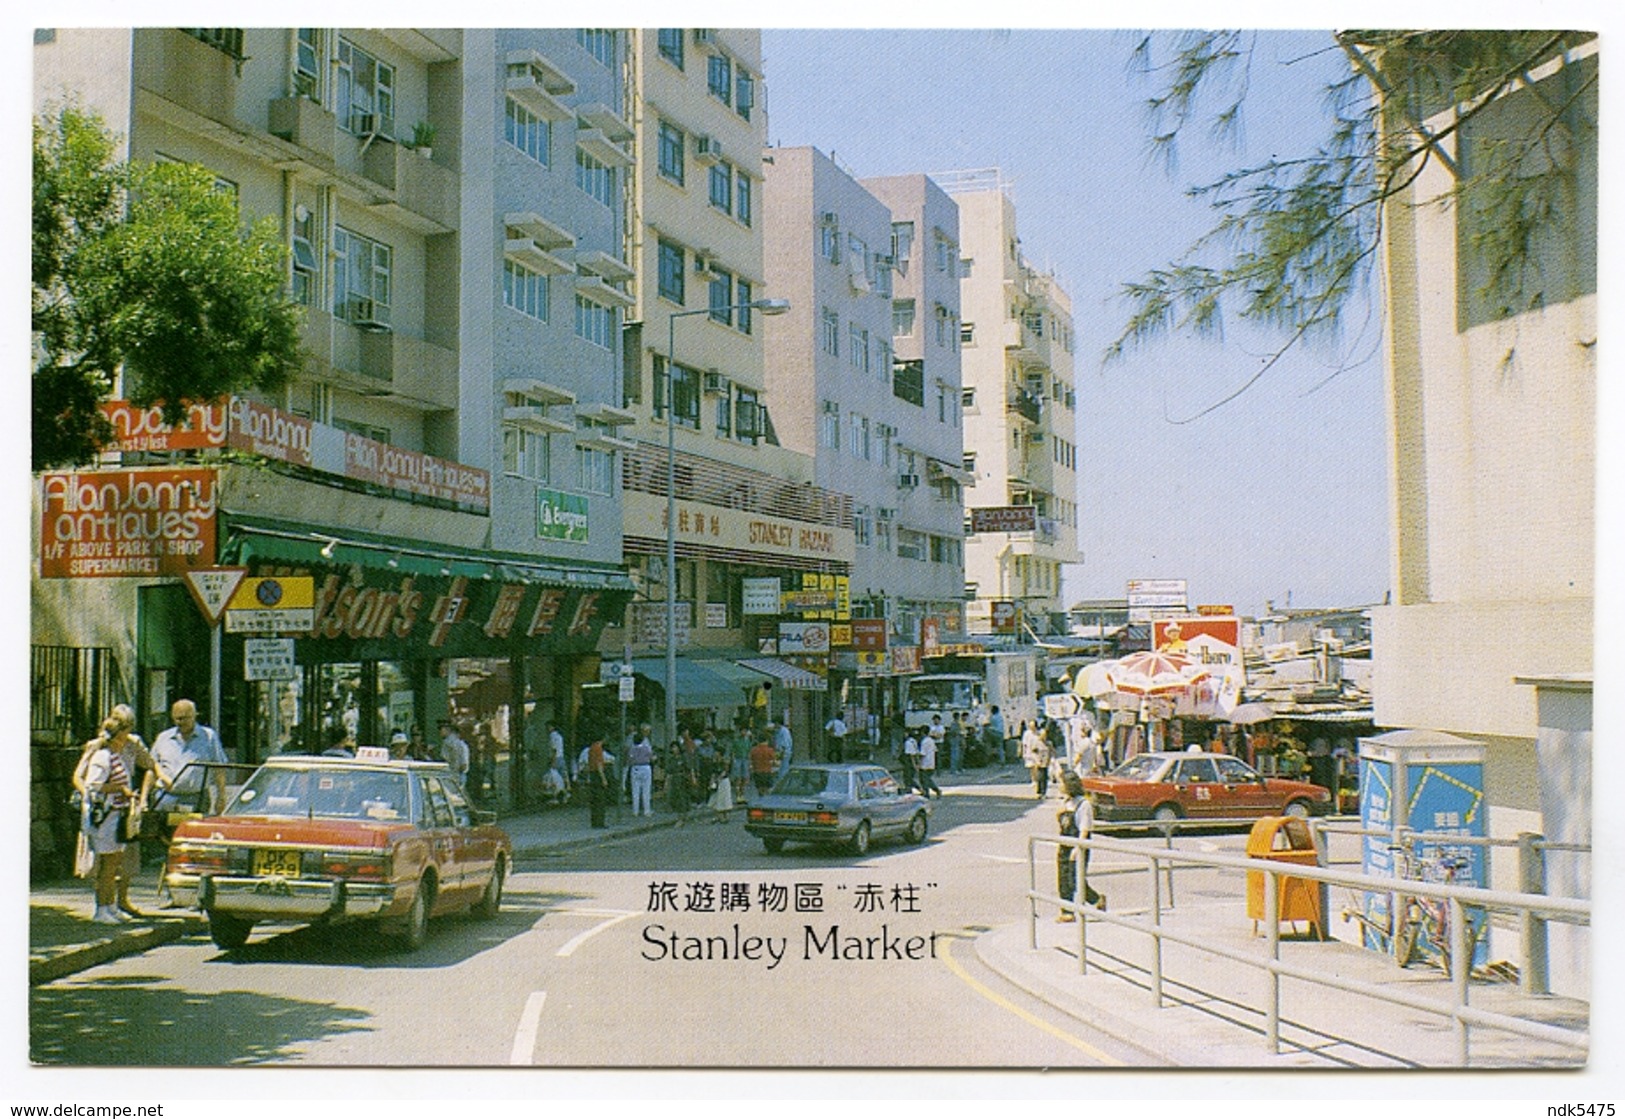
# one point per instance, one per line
(886, 434)
(595, 322)
(908, 382)
(744, 292)
(883, 359)
(857, 352)
(831, 332)
(364, 430)
(525, 291)
(595, 470)
(747, 415)
(941, 317)
(366, 87)
(671, 152)
(306, 269)
(361, 277)
(857, 252)
(595, 178)
(967, 397)
(599, 42)
(882, 277)
(911, 544)
(829, 434)
(308, 63)
(742, 198)
(528, 132)
(672, 263)
(744, 93)
(902, 318)
(720, 78)
(829, 242)
(226, 40)
(527, 454)
(967, 334)
(969, 462)
(902, 243)
(865, 448)
(722, 187)
(722, 298)
(863, 526)
(722, 415)
(945, 253)
(669, 42)
(684, 391)
(942, 403)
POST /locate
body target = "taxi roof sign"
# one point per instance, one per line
(371, 754)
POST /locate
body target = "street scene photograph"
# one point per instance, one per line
(846, 553)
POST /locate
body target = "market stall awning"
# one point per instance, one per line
(797, 679)
(746, 679)
(697, 686)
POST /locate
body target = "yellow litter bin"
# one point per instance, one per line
(1285, 839)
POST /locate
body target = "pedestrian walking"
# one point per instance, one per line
(1076, 818)
(784, 744)
(454, 751)
(678, 789)
(954, 736)
(764, 763)
(111, 805)
(994, 734)
(640, 760)
(595, 764)
(835, 737)
(1035, 753)
(928, 766)
(911, 761)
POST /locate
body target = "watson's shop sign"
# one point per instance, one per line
(127, 522)
(561, 516)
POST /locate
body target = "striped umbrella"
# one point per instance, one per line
(1155, 674)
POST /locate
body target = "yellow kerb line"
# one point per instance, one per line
(998, 1000)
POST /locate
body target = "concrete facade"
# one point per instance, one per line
(832, 253)
(1020, 404)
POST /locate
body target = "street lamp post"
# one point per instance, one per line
(766, 307)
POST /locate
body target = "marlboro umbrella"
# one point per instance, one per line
(1155, 674)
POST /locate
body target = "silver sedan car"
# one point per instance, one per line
(852, 804)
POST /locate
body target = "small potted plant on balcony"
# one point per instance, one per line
(423, 139)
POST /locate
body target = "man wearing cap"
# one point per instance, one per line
(399, 745)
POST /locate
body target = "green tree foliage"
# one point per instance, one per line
(1295, 238)
(144, 270)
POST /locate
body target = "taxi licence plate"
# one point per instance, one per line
(789, 817)
(281, 864)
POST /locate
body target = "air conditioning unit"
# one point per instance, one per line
(366, 314)
(1036, 437)
(827, 218)
(369, 124)
(705, 268)
(859, 281)
(907, 481)
(831, 408)
(884, 260)
(705, 35)
(707, 149)
(887, 513)
(713, 383)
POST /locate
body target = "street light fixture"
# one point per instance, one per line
(766, 307)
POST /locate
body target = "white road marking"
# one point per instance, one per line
(575, 942)
(524, 1041)
(592, 912)
(1002, 858)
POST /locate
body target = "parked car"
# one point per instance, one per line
(329, 839)
(853, 804)
(1169, 786)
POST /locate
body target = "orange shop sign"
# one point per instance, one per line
(101, 523)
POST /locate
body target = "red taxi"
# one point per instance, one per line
(1168, 786)
(316, 839)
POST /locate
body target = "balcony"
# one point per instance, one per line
(537, 83)
(187, 72)
(1027, 405)
(383, 363)
(306, 124)
(422, 193)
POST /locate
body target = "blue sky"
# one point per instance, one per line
(1283, 491)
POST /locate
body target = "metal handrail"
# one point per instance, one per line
(1459, 898)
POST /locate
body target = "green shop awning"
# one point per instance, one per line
(696, 686)
(378, 599)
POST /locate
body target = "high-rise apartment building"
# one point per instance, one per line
(748, 509)
(881, 425)
(445, 469)
(1020, 405)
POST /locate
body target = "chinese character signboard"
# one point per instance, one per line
(760, 595)
(869, 634)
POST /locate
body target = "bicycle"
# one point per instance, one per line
(1422, 931)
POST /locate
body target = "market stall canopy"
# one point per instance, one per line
(789, 675)
(1249, 713)
(696, 686)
